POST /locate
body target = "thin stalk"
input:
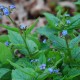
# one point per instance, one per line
(68, 50)
(24, 38)
(13, 22)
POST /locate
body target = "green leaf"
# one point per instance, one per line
(76, 53)
(29, 29)
(5, 54)
(18, 75)
(24, 63)
(9, 28)
(75, 22)
(77, 3)
(15, 37)
(73, 73)
(42, 58)
(35, 39)
(52, 20)
(45, 30)
(74, 42)
(27, 71)
(4, 38)
(55, 55)
(3, 71)
(32, 46)
(57, 41)
(44, 75)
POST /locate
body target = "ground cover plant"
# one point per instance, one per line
(23, 56)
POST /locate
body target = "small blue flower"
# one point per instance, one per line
(36, 60)
(1, 6)
(12, 6)
(64, 32)
(22, 26)
(43, 66)
(68, 21)
(49, 59)
(44, 41)
(6, 11)
(32, 60)
(50, 70)
(67, 15)
(7, 43)
(56, 71)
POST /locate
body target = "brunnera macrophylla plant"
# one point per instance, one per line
(57, 57)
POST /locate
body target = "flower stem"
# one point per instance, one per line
(68, 50)
(24, 38)
(13, 22)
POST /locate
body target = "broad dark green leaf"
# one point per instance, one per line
(76, 53)
(9, 28)
(24, 63)
(74, 42)
(42, 58)
(75, 22)
(3, 71)
(44, 75)
(27, 71)
(5, 54)
(18, 75)
(57, 41)
(52, 20)
(15, 37)
(32, 46)
(73, 73)
(45, 30)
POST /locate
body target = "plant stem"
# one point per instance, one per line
(15, 25)
(68, 50)
(24, 38)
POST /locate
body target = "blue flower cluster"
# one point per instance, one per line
(51, 70)
(34, 60)
(5, 10)
(43, 66)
